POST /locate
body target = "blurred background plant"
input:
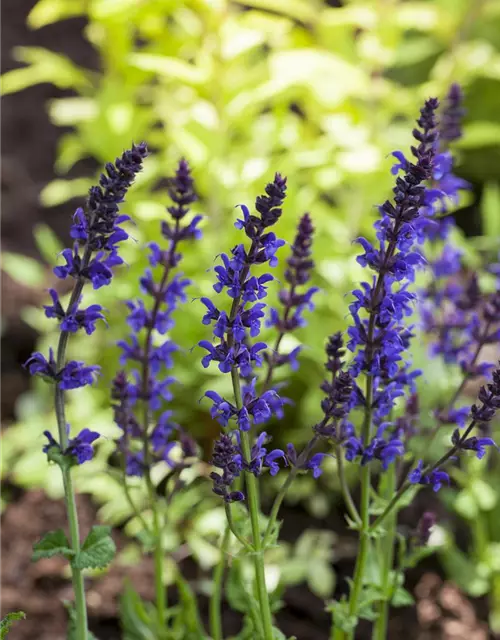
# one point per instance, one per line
(321, 91)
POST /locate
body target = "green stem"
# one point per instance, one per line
(76, 574)
(364, 534)
(69, 492)
(387, 559)
(234, 530)
(216, 598)
(276, 506)
(160, 590)
(253, 507)
(132, 504)
(346, 494)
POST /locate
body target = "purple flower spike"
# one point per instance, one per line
(148, 392)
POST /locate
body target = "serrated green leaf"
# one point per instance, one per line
(8, 621)
(341, 618)
(402, 598)
(97, 551)
(52, 544)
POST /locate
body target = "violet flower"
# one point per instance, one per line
(233, 349)
(147, 441)
(294, 299)
(380, 337)
(97, 233)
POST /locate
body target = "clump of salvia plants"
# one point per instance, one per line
(370, 409)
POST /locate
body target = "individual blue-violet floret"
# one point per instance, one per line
(80, 447)
(380, 337)
(97, 232)
(153, 438)
(294, 298)
(482, 414)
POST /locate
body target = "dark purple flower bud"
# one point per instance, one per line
(226, 458)
(300, 263)
(269, 206)
(424, 528)
(472, 444)
(489, 396)
(450, 128)
(181, 191)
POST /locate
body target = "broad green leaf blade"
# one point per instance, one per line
(52, 544)
(23, 270)
(47, 243)
(97, 551)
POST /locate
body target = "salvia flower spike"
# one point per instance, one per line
(97, 233)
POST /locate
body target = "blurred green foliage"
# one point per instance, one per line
(320, 93)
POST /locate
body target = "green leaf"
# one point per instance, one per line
(60, 191)
(23, 270)
(490, 210)
(48, 11)
(135, 616)
(43, 66)
(97, 551)
(7, 622)
(341, 619)
(52, 544)
(321, 578)
(48, 244)
(466, 505)
(480, 134)
(484, 493)
(73, 633)
(189, 615)
(297, 9)
(172, 68)
(402, 598)
(236, 594)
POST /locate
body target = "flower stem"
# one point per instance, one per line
(380, 629)
(216, 598)
(71, 511)
(253, 506)
(346, 493)
(160, 590)
(76, 574)
(69, 492)
(276, 506)
(364, 534)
